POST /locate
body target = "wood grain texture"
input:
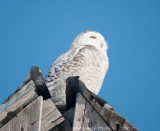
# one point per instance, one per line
(29, 119)
(50, 115)
(16, 95)
(79, 113)
(25, 111)
(19, 101)
(86, 118)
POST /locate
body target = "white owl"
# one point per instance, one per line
(87, 58)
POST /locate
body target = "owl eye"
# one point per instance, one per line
(93, 37)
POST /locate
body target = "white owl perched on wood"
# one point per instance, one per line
(87, 58)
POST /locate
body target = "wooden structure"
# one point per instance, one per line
(30, 108)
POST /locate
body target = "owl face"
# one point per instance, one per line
(90, 38)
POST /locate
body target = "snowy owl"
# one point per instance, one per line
(87, 58)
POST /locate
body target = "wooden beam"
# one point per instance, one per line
(50, 115)
(17, 102)
(31, 88)
(86, 117)
(79, 112)
(17, 94)
(40, 85)
(29, 119)
(106, 112)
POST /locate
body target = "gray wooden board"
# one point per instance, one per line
(24, 88)
(93, 121)
(66, 125)
(86, 118)
(20, 99)
(29, 119)
(79, 113)
(128, 127)
(50, 115)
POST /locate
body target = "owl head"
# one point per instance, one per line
(90, 38)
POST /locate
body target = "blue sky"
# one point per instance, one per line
(37, 32)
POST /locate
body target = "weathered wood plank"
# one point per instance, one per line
(86, 117)
(114, 120)
(29, 119)
(93, 121)
(17, 105)
(90, 112)
(79, 112)
(37, 77)
(55, 123)
(50, 115)
(34, 81)
(16, 95)
(66, 125)
(6, 127)
(33, 86)
(128, 127)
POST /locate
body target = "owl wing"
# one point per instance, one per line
(61, 69)
(66, 63)
(77, 61)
